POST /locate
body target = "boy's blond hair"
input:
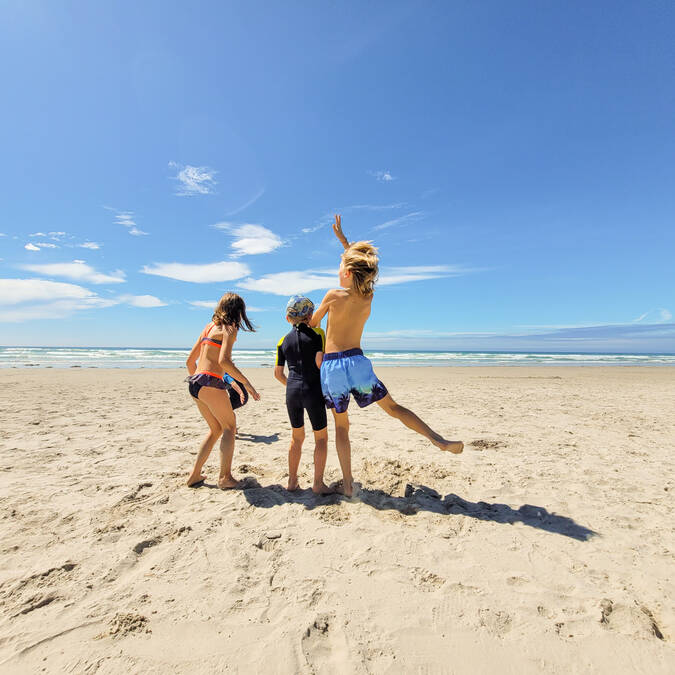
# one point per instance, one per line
(361, 260)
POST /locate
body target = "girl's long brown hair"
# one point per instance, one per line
(231, 311)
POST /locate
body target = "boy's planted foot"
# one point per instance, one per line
(228, 483)
(455, 447)
(292, 484)
(322, 489)
(194, 479)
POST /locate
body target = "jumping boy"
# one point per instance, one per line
(302, 350)
(345, 369)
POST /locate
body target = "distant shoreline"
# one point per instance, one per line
(163, 358)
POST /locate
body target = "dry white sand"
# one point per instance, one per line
(546, 547)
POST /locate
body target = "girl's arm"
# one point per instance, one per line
(237, 388)
(227, 364)
(321, 310)
(319, 359)
(337, 228)
(191, 362)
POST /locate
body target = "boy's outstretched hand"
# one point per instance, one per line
(337, 228)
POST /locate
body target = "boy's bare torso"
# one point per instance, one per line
(347, 315)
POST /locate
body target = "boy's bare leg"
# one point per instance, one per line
(206, 446)
(220, 407)
(344, 452)
(413, 422)
(294, 453)
(320, 454)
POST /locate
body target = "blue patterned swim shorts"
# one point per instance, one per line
(349, 372)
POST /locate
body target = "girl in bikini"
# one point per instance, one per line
(209, 361)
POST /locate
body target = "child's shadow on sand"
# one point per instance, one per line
(421, 498)
(257, 438)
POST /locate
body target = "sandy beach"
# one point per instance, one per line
(548, 546)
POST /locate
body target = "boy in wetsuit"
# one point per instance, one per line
(302, 350)
(345, 370)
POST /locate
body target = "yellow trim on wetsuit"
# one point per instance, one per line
(319, 331)
(276, 357)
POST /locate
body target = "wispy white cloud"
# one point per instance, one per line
(415, 215)
(91, 245)
(194, 180)
(375, 207)
(250, 202)
(77, 270)
(141, 301)
(659, 314)
(308, 230)
(305, 281)
(250, 239)
(383, 176)
(17, 291)
(38, 234)
(24, 299)
(401, 275)
(416, 334)
(126, 219)
(287, 283)
(200, 274)
(211, 304)
(31, 247)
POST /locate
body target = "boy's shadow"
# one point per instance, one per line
(421, 498)
(257, 438)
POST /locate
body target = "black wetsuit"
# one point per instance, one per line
(303, 392)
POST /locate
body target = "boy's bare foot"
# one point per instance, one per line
(322, 489)
(292, 484)
(455, 447)
(228, 483)
(193, 480)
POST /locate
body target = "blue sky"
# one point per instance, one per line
(514, 162)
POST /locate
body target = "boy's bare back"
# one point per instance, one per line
(347, 315)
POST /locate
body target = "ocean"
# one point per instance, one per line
(132, 357)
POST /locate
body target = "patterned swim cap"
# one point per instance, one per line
(299, 307)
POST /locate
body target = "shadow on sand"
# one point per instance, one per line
(256, 438)
(419, 498)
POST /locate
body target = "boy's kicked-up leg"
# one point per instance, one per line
(206, 445)
(320, 455)
(413, 422)
(220, 407)
(294, 453)
(344, 452)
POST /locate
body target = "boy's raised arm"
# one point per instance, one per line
(337, 228)
(321, 310)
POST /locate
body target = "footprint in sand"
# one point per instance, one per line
(496, 622)
(37, 590)
(427, 581)
(635, 620)
(324, 645)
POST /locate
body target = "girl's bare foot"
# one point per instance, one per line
(228, 483)
(194, 479)
(345, 488)
(455, 447)
(292, 484)
(322, 489)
